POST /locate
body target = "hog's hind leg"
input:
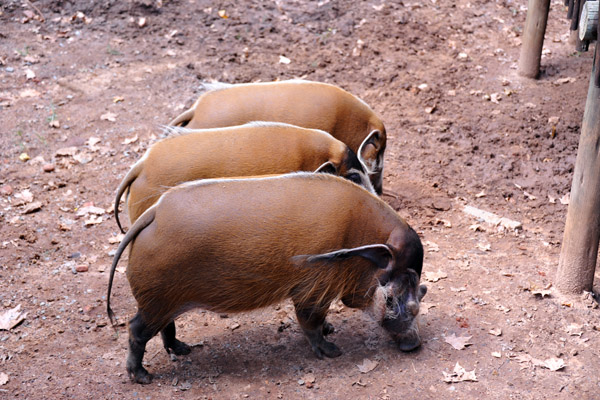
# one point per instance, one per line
(139, 334)
(171, 343)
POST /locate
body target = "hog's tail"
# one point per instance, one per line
(142, 222)
(133, 173)
(184, 118)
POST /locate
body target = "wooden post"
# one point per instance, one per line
(533, 38)
(582, 230)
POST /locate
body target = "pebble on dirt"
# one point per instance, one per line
(48, 167)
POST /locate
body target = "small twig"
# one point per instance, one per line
(42, 19)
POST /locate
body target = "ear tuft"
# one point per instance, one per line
(327, 168)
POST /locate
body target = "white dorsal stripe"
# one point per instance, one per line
(179, 130)
(214, 86)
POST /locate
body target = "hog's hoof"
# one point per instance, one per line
(326, 349)
(328, 329)
(140, 375)
(179, 348)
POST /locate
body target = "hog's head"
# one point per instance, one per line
(392, 294)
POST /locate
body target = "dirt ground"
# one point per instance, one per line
(85, 86)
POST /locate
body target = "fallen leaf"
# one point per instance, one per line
(575, 329)
(435, 276)
(29, 74)
(83, 158)
(503, 309)
(459, 375)
(116, 239)
(431, 247)
(541, 292)
(553, 120)
(130, 140)
(112, 117)
(25, 196)
(3, 379)
(29, 93)
(32, 207)
(93, 220)
(11, 318)
(223, 14)
(526, 359)
(367, 366)
(554, 364)
(484, 247)
(477, 228)
(66, 152)
(495, 331)
(424, 308)
(24, 157)
(92, 142)
(90, 210)
(458, 343)
(561, 81)
(309, 378)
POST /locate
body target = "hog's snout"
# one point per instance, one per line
(413, 308)
(408, 342)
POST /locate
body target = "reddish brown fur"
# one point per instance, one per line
(233, 245)
(253, 149)
(171, 243)
(303, 103)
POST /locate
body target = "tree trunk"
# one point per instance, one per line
(533, 38)
(582, 230)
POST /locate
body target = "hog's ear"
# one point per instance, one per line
(327, 168)
(370, 149)
(379, 254)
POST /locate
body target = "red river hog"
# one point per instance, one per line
(303, 103)
(256, 148)
(234, 245)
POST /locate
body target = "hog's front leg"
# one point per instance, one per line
(313, 324)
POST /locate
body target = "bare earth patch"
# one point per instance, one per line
(85, 87)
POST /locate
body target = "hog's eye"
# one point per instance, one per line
(354, 177)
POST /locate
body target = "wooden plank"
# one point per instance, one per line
(579, 250)
(533, 38)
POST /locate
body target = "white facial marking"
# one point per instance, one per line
(365, 181)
